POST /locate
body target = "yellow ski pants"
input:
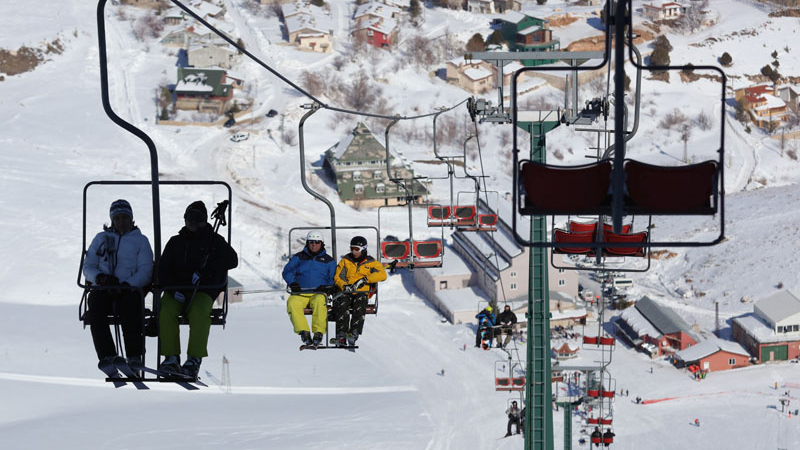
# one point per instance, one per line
(319, 314)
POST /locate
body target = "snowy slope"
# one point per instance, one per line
(56, 138)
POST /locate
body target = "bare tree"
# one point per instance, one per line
(361, 94)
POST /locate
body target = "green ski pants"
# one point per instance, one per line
(319, 314)
(199, 325)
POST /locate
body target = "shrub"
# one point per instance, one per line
(475, 43)
(726, 59)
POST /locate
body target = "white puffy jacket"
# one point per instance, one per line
(128, 257)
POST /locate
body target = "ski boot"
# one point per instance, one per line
(106, 365)
(305, 336)
(318, 337)
(341, 339)
(351, 339)
(191, 367)
(171, 364)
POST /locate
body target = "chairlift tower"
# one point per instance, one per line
(538, 380)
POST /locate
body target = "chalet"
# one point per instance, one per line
(180, 38)
(713, 354)
(655, 328)
(204, 90)
(152, 4)
(772, 331)
(481, 6)
(566, 351)
(526, 33)
(211, 55)
(358, 164)
(765, 108)
(376, 24)
(789, 93)
(208, 10)
(372, 11)
(402, 5)
(665, 11)
(309, 32)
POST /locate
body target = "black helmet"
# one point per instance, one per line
(360, 242)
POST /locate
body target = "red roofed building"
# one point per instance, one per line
(763, 104)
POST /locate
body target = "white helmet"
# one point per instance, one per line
(314, 235)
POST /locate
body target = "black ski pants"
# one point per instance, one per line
(515, 421)
(129, 309)
(349, 311)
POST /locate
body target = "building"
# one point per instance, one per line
(204, 90)
(526, 33)
(501, 264)
(772, 331)
(714, 354)
(566, 351)
(358, 164)
(448, 288)
(654, 328)
(308, 27)
(665, 11)
(211, 55)
(763, 104)
(152, 4)
(481, 6)
(789, 93)
(376, 24)
(180, 38)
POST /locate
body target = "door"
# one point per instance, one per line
(774, 353)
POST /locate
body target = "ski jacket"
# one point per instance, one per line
(126, 256)
(349, 270)
(309, 270)
(512, 412)
(184, 255)
(507, 318)
(490, 319)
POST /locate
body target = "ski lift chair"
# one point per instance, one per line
(372, 294)
(413, 253)
(509, 375)
(439, 216)
(588, 233)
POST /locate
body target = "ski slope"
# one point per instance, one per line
(389, 394)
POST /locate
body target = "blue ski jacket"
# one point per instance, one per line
(310, 271)
(489, 317)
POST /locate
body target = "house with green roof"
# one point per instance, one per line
(526, 33)
(205, 90)
(358, 164)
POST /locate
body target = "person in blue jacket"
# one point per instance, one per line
(488, 314)
(310, 269)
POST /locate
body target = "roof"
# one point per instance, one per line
(465, 299)
(761, 331)
(708, 347)
(381, 25)
(663, 318)
(206, 81)
(300, 22)
(778, 306)
(477, 73)
(376, 9)
(529, 30)
(772, 102)
(512, 17)
(486, 249)
(452, 264)
(639, 323)
(359, 145)
(566, 347)
(203, 9)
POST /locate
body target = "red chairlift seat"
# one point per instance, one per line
(561, 236)
(608, 440)
(607, 394)
(560, 190)
(683, 190)
(578, 227)
(465, 215)
(633, 238)
(394, 250)
(593, 421)
(606, 421)
(597, 440)
(590, 340)
(518, 383)
(606, 340)
(502, 384)
(593, 393)
(439, 216)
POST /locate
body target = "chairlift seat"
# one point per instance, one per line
(606, 341)
(502, 384)
(633, 238)
(597, 440)
(606, 421)
(607, 394)
(682, 190)
(428, 249)
(561, 190)
(395, 250)
(518, 383)
(590, 340)
(593, 393)
(561, 236)
(608, 440)
(577, 227)
(439, 216)
(593, 421)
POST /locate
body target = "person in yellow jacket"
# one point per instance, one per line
(356, 274)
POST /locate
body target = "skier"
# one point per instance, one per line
(608, 437)
(513, 414)
(196, 256)
(311, 268)
(597, 437)
(506, 320)
(357, 273)
(489, 322)
(697, 422)
(119, 258)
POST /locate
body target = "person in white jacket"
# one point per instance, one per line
(121, 259)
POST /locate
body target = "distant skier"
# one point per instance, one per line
(507, 319)
(697, 422)
(309, 269)
(195, 256)
(513, 414)
(357, 273)
(486, 321)
(118, 260)
(608, 437)
(597, 437)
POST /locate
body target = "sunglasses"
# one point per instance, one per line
(315, 242)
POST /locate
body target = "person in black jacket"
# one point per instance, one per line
(197, 256)
(505, 321)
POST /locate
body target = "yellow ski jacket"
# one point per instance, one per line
(349, 271)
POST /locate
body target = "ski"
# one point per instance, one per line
(335, 344)
(122, 365)
(180, 379)
(308, 347)
(112, 375)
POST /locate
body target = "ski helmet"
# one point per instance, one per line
(489, 308)
(360, 242)
(314, 235)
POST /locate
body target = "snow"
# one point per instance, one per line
(477, 73)
(56, 138)
(709, 347)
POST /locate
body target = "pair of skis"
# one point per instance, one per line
(333, 344)
(120, 365)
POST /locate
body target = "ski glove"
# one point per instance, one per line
(195, 278)
(295, 287)
(179, 296)
(106, 280)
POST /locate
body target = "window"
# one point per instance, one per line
(380, 188)
(358, 189)
(795, 327)
(377, 175)
(443, 285)
(561, 270)
(780, 329)
(513, 274)
(513, 286)
(732, 361)
(562, 282)
(356, 175)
